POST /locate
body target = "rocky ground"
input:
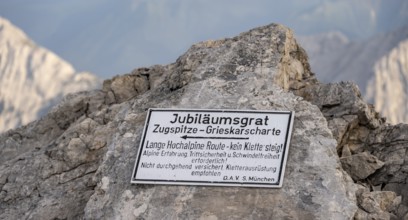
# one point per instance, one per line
(344, 161)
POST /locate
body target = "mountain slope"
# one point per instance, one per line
(334, 58)
(32, 78)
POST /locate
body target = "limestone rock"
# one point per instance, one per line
(390, 144)
(77, 161)
(229, 81)
(376, 205)
(51, 176)
(361, 165)
(360, 130)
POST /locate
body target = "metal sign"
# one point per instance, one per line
(214, 147)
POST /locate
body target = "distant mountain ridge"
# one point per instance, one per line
(32, 78)
(378, 65)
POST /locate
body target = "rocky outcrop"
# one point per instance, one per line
(77, 161)
(371, 151)
(33, 79)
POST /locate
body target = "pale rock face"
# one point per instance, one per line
(32, 79)
(388, 89)
(86, 146)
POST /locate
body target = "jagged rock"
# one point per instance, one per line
(359, 129)
(361, 165)
(77, 161)
(390, 144)
(54, 172)
(377, 205)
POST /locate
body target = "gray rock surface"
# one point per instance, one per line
(361, 165)
(359, 130)
(376, 204)
(77, 161)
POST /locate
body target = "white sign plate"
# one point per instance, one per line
(214, 147)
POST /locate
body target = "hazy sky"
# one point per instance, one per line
(110, 37)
